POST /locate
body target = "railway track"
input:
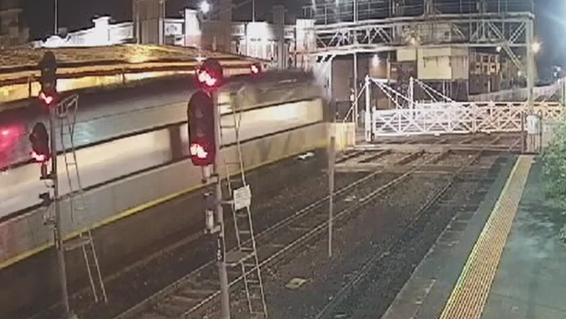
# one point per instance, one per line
(335, 307)
(197, 291)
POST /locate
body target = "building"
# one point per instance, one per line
(275, 42)
(485, 72)
(12, 31)
(435, 53)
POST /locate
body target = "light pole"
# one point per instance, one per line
(56, 17)
(253, 10)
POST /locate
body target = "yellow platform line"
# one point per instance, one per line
(469, 297)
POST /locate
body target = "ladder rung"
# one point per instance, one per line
(228, 126)
(233, 258)
(242, 213)
(246, 232)
(232, 163)
(77, 243)
(256, 297)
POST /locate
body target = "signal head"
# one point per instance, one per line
(202, 129)
(39, 139)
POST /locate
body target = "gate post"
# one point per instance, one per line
(369, 115)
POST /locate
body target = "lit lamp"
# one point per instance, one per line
(205, 7)
(536, 46)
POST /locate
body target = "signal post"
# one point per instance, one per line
(44, 147)
(204, 147)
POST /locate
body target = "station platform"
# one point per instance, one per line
(504, 260)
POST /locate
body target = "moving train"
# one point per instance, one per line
(271, 87)
(282, 115)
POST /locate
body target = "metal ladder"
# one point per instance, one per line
(66, 115)
(246, 257)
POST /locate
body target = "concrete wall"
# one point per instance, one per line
(345, 134)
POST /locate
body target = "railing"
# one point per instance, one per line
(542, 92)
(331, 11)
(459, 118)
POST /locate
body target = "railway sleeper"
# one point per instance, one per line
(181, 300)
(376, 156)
(349, 156)
(409, 158)
(152, 315)
(169, 309)
(302, 227)
(202, 284)
(196, 294)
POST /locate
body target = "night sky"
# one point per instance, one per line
(75, 14)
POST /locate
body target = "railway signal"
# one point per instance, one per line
(202, 129)
(204, 146)
(46, 149)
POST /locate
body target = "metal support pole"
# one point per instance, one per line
(355, 70)
(253, 10)
(331, 169)
(221, 240)
(56, 18)
(368, 118)
(136, 18)
(57, 230)
(355, 113)
(411, 92)
(530, 86)
(530, 66)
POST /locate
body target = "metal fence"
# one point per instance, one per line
(459, 118)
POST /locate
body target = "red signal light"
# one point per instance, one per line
(255, 68)
(210, 74)
(205, 78)
(40, 158)
(199, 151)
(48, 99)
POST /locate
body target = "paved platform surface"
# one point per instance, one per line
(504, 260)
(531, 279)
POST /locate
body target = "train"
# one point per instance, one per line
(281, 113)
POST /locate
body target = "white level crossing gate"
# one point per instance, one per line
(441, 115)
(458, 118)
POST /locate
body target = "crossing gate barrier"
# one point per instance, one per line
(459, 118)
